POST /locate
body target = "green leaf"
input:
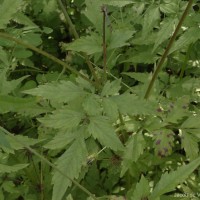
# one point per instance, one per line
(141, 77)
(132, 105)
(3, 141)
(21, 53)
(144, 40)
(6, 87)
(25, 106)
(23, 139)
(101, 129)
(89, 44)
(113, 197)
(85, 84)
(111, 88)
(143, 55)
(110, 108)
(10, 169)
(69, 163)
(169, 7)
(61, 140)
(21, 18)
(14, 144)
(64, 119)
(169, 181)
(92, 105)
(119, 38)
(117, 3)
(7, 9)
(165, 31)
(142, 190)
(190, 36)
(191, 122)
(151, 17)
(163, 142)
(94, 14)
(176, 111)
(2, 194)
(61, 92)
(190, 145)
(134, 148)
(4, 56)
(69, 197)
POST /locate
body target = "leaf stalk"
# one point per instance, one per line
(104, 10)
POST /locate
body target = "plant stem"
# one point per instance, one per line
(159, 66)
(49, 163)
(68, 20)
(104, 42)
(44, 53)
(76, 36)
(183, 68)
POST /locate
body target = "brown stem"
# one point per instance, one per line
(104, 42)
(159, 66)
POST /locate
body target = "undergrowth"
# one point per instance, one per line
(99, 100)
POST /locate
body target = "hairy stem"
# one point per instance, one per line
(159, 66)
(76, 36)
(44, 53)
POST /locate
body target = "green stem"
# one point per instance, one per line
(49, 163)
(44, 53)
(185, 62)
(69, 21)
(76, 36)
(159, 66)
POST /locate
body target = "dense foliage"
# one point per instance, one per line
(99, 99)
